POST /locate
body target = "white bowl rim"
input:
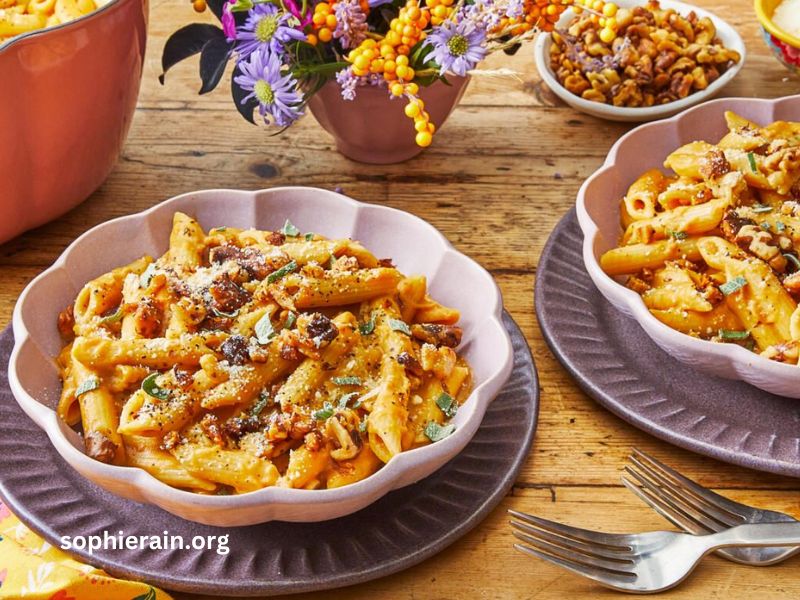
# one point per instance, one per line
(541, 56)
(376, 485)
(61, 26)
(733, 353)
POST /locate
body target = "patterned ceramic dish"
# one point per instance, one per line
(784, 46)
(729, 36)
(598, 214)
(414, 245)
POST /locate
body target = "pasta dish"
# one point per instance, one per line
(242, 359)
(713, 248)
(22, 16)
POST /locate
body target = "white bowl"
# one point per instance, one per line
(414, 245)
(727, 34)
(598, 213)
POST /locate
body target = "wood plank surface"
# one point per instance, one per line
(500, 174)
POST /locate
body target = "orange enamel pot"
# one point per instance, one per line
(67, 96)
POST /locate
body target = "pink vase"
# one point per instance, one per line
(373, 128)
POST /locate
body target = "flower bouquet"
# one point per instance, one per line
(286, 51)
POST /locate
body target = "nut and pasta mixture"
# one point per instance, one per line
(658, 56)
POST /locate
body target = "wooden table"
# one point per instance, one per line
(499, 176)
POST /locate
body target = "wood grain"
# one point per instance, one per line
(501, 173)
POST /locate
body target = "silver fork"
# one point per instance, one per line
(639, 563)
(698, 510)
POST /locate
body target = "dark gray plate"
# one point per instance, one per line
(616, 363)
(400, 530)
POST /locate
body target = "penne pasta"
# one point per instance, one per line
(719, 258)
(242, 359)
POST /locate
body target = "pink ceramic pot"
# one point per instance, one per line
(67, 98)
(373, 128)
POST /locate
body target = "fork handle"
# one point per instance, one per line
(755, 534)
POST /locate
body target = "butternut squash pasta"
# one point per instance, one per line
(242, 359)
(713, 248)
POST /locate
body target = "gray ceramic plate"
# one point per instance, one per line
(400, 530)
(617, 364)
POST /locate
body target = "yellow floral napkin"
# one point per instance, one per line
(32, 568)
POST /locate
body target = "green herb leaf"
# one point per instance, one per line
(147, 275)
(219, 313)
(761, 208)
(261, 403)
(87, 386)
(309, 236)
(734, 285)
(324, 413)
(346, 398)
(678, 235)
(780, 227)
(793, 259)
(362, 427)
(291, 318)
(346, 380)
(752, 160)
(150, 594)
(729, 334)
(436, 432)
(219, 229)
(398, 325)
(284, 270)
(264, 330)
(117, 316)
(368, 327)
(289, 229)
(765, 226)
(151, 388)
(242, 6)
(448, 404)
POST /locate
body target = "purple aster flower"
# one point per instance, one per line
(267, 29)
(276, 91)
(351, 23)
(457, 47)
(228, 22)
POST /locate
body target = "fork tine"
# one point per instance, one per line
(689, 500)
(735, 509)
(676, 501)
(611, 541)
(614, 561)
(669, 512)
(618, 581)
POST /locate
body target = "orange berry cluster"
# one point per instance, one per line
(440, 10)
(536, 14)
(324, 22)
(603, 14)
(389, 57)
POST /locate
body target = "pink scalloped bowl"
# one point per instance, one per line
(598, 213)
(414, 245)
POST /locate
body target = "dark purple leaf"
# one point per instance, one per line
(246, 109)
(216, 7)
(213, 59)
(187, 42)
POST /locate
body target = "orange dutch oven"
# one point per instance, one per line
(67, 96)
